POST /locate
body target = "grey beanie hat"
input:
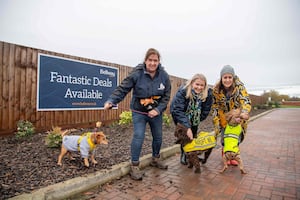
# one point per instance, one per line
(227, 69)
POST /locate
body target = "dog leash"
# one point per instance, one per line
(132, 110)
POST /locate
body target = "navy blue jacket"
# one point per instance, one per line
(180, 103)
(144, 87)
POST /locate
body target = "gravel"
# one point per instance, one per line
(28, 164)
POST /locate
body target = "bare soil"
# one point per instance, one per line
(28, 164)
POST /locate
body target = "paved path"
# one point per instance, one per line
(271, 154)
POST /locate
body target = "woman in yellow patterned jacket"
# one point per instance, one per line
(229, 93)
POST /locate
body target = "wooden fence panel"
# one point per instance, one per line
(1, 83)
(5, 87)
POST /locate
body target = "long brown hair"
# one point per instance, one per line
(219, 86)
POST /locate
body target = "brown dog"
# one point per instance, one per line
(231, 139)
(192, 156)
(85, 144)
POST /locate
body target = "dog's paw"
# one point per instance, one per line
(94, 162)
(203, 161)
(223, 170)
(86, 163)
(59, 164)
(243, 171)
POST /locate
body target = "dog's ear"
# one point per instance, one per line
(228, 116)
(239, 112)
(65, 132)
(101, 137)
(179, 130)
(100, 134)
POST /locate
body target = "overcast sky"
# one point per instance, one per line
(259, 38)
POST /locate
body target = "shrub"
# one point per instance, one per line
(24, 129)
(167, 119)
(125, 118)
(54, 138)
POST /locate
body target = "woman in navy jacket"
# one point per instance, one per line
(192, 104)
(150, 96)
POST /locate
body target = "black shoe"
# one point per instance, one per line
(183, 159)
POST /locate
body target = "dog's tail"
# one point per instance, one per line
(98, 124)
(63, 133)
(67, 131)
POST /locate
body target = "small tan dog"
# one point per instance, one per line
(85, 144)
(231, 139)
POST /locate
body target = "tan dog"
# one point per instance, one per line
(231, 139)
(85, 144)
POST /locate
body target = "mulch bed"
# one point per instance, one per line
(28, 164)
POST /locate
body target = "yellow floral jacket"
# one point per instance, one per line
(238, 99)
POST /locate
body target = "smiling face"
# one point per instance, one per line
(152, 63)
(227, 80)
(198, 85)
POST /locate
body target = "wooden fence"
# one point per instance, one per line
(18, 92)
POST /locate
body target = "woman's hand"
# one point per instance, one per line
(244, 115)
(217, 130)
(153, 113)
(107, 105)
(190, 133)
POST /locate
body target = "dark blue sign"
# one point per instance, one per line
(65, 84)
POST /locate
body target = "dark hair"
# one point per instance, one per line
(150, 52)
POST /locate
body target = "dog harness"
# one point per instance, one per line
(89, 141)
(204, 141)
(231, 138)
(82, 143)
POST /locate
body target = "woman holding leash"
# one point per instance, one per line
(229, 93)
(151, 93)
(190, 105)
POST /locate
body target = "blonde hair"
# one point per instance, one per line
(189, 83)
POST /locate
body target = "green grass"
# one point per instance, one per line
(288, 106)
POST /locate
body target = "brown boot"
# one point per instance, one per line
(135, 172)
(156, 162)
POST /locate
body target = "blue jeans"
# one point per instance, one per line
(139, 126)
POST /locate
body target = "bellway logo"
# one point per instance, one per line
(106, 72)
(161, 87)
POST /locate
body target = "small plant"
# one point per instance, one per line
(114, 124)
(24, 129)
(125, 118)
(54, 137)
(167, 119)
